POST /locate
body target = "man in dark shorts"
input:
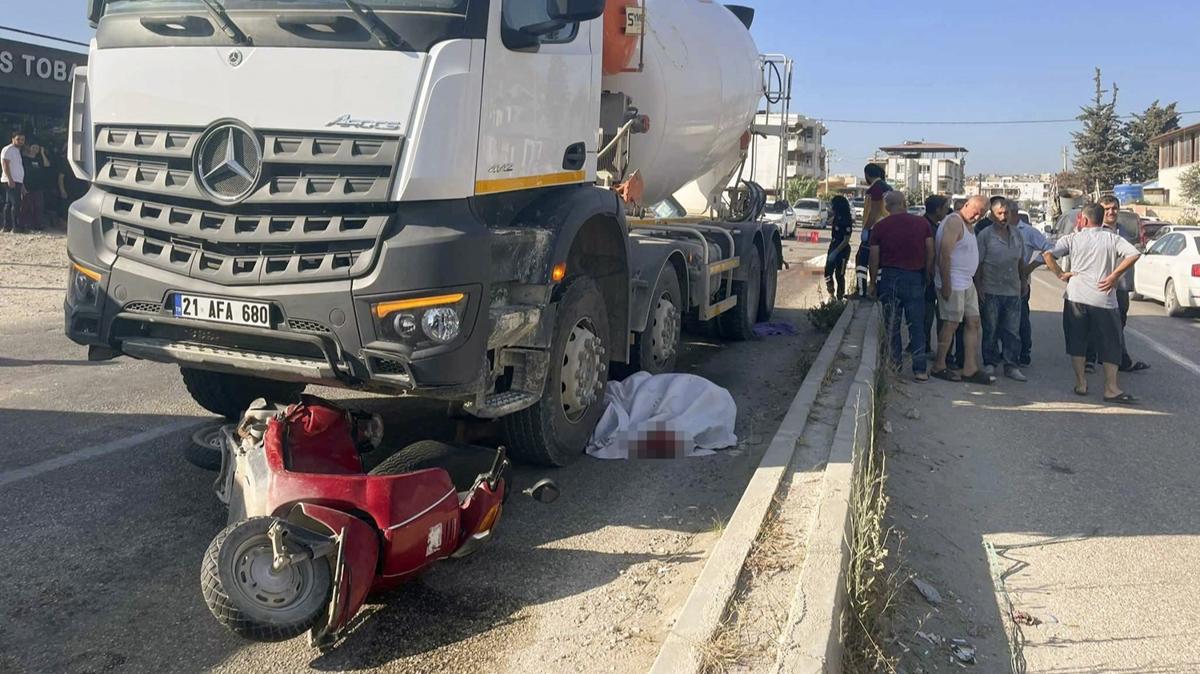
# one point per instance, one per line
(1099, 256)
(873, 212)
(901, 265)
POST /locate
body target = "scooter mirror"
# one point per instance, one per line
(545, 491)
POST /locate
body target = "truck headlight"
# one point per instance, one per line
(441, 324)
(420, 322)
(84, 285)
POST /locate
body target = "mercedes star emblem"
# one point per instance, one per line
(229, 162)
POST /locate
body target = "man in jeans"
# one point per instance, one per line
(1035, 244)
(12, 181)
(937, 207)
(901, 263)
(1099, 256)
(1001, 265)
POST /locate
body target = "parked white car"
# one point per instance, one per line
(1169, 271)
(856, 208)
(782, 215)
(811, 213)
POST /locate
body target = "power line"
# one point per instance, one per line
(43, 36)
(975, 122)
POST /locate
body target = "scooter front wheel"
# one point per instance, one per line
(247, 595)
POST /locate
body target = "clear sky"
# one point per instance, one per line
(932, 60)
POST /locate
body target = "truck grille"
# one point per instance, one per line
(298, 168)
(233, 249)
(317, 214)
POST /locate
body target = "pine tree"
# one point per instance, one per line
(1099, 146)
(1141, 159)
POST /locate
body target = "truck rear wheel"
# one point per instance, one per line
(230, 394)
(656, 348)
(556, 429)
(737, 324)
(770, 276)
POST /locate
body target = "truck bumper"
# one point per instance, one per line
(322, 332)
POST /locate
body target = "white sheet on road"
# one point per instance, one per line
(683, 409)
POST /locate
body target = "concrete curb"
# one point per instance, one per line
(701, 614)
(812, 639)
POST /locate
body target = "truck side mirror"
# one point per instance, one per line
(570, 11)
(95, 8)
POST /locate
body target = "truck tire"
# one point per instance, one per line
(766, 297)
(657, 347)
(737, 324)
(230, 394)
(463, 462)
(556, 429)
(235, 563)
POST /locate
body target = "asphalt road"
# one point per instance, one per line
(1092, 509)
(103, 522)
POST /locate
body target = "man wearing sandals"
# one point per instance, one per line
(1099, 256)
(1112, 209)
(958, 301)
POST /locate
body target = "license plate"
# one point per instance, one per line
(238, 312)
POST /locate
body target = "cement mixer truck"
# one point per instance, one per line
(450, 199)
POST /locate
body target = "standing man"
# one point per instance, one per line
(958, 301)
(1001, 269)
(1112, 210)
(1090, 313)
(937, 208)
(1035, 245)
(13, 179)
(873, 211)
(37, 182)
(901, 263)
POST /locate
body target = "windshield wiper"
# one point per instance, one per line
(217, 10)
(379, 29)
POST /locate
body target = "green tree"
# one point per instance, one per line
(800, 187)
(1189, 185)
(1141, 159)
(1099, 147)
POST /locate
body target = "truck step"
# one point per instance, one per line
(498, 405)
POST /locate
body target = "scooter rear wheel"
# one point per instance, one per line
(463, 462)
(251, 599)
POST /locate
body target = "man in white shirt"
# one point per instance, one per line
(1091, 314)
(12, 177)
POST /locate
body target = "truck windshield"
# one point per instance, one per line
(134, 6)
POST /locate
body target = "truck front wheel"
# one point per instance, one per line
(230, 394)
(556, 429)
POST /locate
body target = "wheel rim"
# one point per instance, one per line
(664, 330)
(581, 366)
(257, 582)
(1172, 302)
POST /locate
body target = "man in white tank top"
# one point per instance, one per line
(958, 301)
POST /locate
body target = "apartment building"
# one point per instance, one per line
(1178, 150)
(804, 155)
(926, 168)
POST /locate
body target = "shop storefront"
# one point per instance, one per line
(35, 92)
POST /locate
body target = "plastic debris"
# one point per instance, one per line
(1023, 618)
(913, 414)
(928, 591)
(887, 427)
(963, 651)
(931, 638)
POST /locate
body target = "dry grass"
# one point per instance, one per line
(826, 314)
(871, 589)
(741, 635)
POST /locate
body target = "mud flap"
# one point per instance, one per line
(353, 565)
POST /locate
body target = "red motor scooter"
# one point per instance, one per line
(311, 534)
